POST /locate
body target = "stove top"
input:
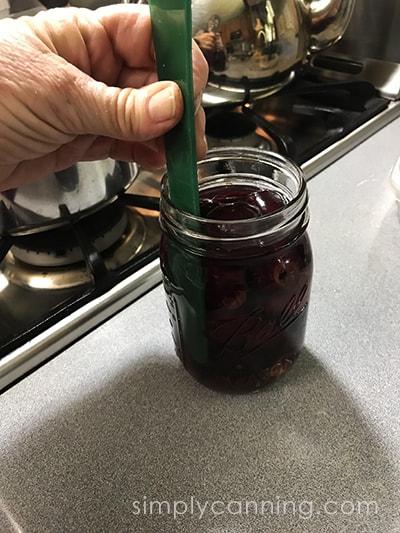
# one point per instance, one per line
(333, 105)
(57, 285)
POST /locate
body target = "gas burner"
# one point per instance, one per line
(63, 246)
(233, 128)
(52, 277)
(60, 247)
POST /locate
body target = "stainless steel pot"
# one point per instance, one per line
(258, 45)
(68, 194)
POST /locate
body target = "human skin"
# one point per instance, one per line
(81, 85)
(209, 40)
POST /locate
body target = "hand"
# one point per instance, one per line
(82, 85)
(205, 39)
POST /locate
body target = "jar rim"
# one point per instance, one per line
(242, 154)
(253, 166)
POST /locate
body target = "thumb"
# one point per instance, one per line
(127, 114)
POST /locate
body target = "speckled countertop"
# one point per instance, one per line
(112, 434)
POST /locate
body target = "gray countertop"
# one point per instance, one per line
(112, 433)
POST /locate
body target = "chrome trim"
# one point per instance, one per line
(27, 357)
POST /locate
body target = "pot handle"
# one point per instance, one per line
(327, 21)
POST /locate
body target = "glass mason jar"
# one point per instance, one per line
(238, 277)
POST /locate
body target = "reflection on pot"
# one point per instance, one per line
(260, 42)
(68, 194)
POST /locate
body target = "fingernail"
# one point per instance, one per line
(162, 105)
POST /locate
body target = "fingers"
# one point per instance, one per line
(206, 40)
(128, 27)
(201, 142)
(120, 35)
(112, 45)
(136, 114)
(125, 114)
(200, 71)
(139, 116)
